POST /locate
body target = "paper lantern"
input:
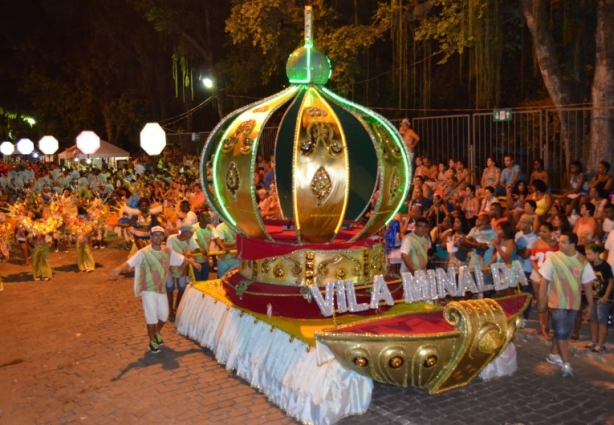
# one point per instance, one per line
(25, 146)
(48, 145)
(153, 138)
(88, 142)
(7, 148)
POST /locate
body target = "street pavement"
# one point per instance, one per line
(75, 352)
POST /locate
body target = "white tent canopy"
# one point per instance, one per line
(106, 150)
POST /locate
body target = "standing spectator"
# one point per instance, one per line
(525, 239)
(545, 246)
(603, 294)
(186, 216)
(204, 234)
(410, 138)
(226, 261)
(181, 243)
(415, 247)
(564, 272)
(151, 265)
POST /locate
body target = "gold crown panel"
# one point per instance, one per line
(393, 174)
(321, 170)
(308, 267)
(236, 160)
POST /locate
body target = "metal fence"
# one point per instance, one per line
(529, 135)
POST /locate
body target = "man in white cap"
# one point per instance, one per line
(151, 270)
(181, 243)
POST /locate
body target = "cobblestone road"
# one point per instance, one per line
(75, 352)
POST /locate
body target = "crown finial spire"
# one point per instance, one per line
(308, 26)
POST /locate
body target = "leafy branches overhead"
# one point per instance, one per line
(275, 27)
(455, 25)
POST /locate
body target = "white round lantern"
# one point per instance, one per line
(48, 145)
(153, 138)
(7, 148)
(25, 146)
(88, 142)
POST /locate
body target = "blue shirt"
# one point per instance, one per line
(507, 174)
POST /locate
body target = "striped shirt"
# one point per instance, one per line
(566, 276)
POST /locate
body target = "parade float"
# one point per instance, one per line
(310, 316)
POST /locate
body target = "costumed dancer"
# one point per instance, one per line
(226, 261)
(85, 259)
(151, 266)
(181, 243)
(204, 234)
(41, 268)
(21, 235)
(141, 222)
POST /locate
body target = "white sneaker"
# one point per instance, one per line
(567, 370)
(555, 359)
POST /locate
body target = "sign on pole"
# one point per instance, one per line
(501, 115)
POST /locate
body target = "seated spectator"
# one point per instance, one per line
(520, 193)
(586, 227)
(539, 173)
(441, 175)
(462, 173)
(490, 176)
(480, 240)
(598, 197)
(560, 224)
(505, 245)
(509, 175)
(470, 205)
(542, 199)
(602, 177)
(489, 199)
(497, 215)
(608, 220)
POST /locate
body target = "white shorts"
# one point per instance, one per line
(155, 307)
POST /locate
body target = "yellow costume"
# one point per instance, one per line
(85, 259)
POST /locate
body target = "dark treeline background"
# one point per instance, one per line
(113, 65)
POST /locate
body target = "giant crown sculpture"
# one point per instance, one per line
(334, 159)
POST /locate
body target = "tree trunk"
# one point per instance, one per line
(536, 16)
(602, 119)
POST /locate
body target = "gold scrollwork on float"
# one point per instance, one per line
(305, 268)
(321, 186)
(436, 361)
(232, 180)
(314, 111)
(395, 184)
(240, 134)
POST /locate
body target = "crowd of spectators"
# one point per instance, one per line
(451, 217)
